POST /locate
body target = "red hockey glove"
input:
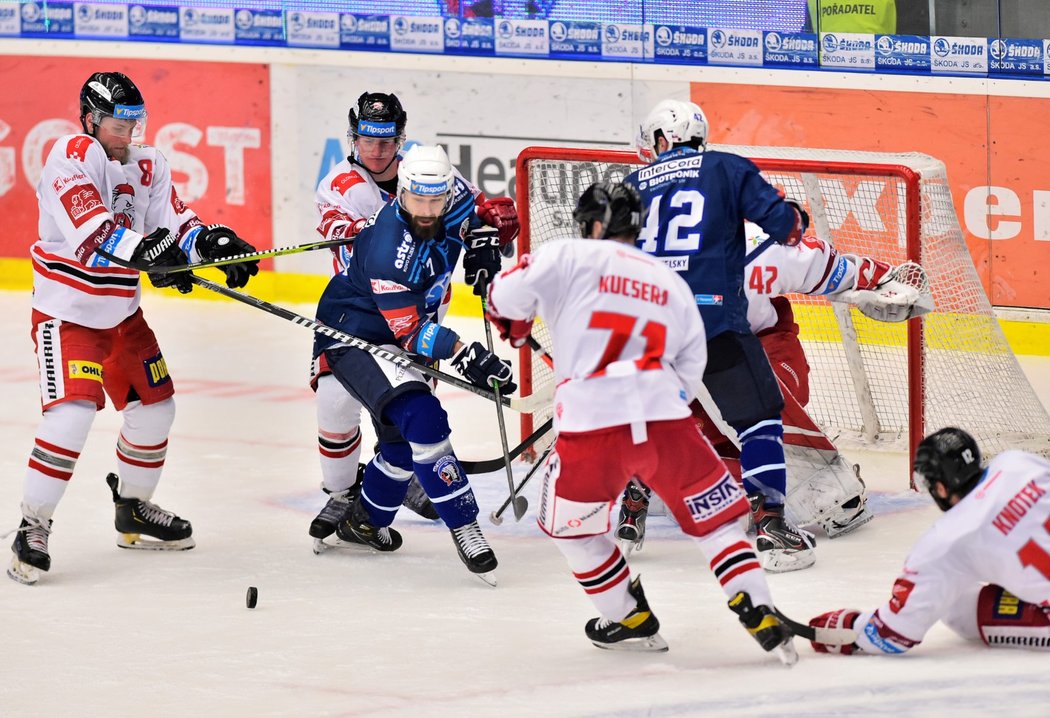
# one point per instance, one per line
(871, 273)
(514, 331)
(801, 223)
(842, 618)
(499, 212)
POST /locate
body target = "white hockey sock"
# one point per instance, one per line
(602, 573)
(60, 438)
(735, 564)
(142, 447)
(338, 434)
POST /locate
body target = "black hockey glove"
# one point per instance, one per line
(482, 260)
(480, 367)
(160, 248)
(217, 241)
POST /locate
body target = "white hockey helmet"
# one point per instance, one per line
(426, 170)
(678, 122)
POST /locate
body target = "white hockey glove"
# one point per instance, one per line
(900, 294)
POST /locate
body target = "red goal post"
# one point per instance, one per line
(872, 384)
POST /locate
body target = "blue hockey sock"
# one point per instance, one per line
(386, 482)
(424, 424)
(762, 464)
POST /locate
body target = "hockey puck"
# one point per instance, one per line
(252, 598)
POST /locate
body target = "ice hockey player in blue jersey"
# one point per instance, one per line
(389, 294)
(697, 202)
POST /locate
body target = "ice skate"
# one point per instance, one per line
(630, 530)
(764, 626)
(356, 530)
(334, 511)
(144, 525)
(475, 552)
(781, 547)
(29, 551)
(639, 631)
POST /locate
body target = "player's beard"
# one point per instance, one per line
(428, 231)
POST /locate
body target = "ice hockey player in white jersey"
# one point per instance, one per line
(346, 197)
(823, 488)
(106, 201)
(629, 350)
(983, 568)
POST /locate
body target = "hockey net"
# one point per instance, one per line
(872, 384)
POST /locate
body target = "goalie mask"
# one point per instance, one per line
(949, 457)
(617, 205)
(112, 94)
(678, 122)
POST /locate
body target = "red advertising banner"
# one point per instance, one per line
(997, 165)
(211, 120)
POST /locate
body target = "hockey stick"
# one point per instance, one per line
(232, 259)
(519, 502)
(496, 517)
(831, 636)
(526, 405)
(490, 465)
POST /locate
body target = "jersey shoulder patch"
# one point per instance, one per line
(78, 146)
(343, 182)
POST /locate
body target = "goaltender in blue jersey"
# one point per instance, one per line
(390, 294)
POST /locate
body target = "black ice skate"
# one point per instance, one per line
(639, 631)
(764, 626)
(633, 511)
(475, 552)
(30, 551)
(144, 525)
(781, 547)
(356, 530)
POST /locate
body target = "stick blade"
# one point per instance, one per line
(520, 507)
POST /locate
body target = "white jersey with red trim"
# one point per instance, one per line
(345, 197)
(629, 344)
(999, 534)
(89, 201)
(810, 267)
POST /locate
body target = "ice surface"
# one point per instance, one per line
(111, 632)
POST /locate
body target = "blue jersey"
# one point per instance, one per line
(697, 204)
(394, 284)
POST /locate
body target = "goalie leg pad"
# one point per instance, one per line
(824, 490)
(1005, 621)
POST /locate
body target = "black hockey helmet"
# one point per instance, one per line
(111, 94)
(617, 205)
(949, 457)
(378, 114)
